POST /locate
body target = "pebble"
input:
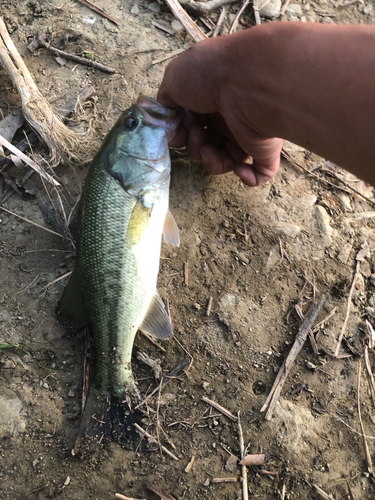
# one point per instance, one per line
(207, 482)
(45, 385)
(154, 7)
(71, 394)
(345, 202)
(176, 25)
(134, 10)
(323, 220)
(310, 365)
(294, 9)
(11, 422)
(328, 20)
(368, 9)
(271, 10)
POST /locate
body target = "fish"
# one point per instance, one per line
(123, 214)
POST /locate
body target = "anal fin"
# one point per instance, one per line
(156, 322)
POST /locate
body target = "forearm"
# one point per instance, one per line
(311, 84)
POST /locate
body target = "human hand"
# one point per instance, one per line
(217, 127)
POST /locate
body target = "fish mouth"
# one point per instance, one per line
(157, 115)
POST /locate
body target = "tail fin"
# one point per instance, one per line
(106, 418)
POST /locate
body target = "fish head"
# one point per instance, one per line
(135, 152)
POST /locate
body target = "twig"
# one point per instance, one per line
(370, 376)
(239, 14)
(288, 363)
(162, 494)
(186, 273)
(123, 497)
(166, 379)
(223, 410)
(194, 31)
(367, 451)
(256, 459)
(152, 437)
(33, 223)
(245, 488)
(190, 465)
(209, 306)
(324, 320)
(150, 339)
(220, 22)
(29, 161)
(322, 493)
(41, 40)
(55, 281)
(224, 480)
(284, 7)
(99, 11)
(202, 8)
(353, 430)
(154, 364)
(356, 275)
(168, 56)
(256, 12)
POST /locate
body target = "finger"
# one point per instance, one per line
(196, 138)
(257, 173)
(216, 161)
(180, 139)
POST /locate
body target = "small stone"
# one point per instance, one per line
(197, 306)
(328, 20)
(226, 223)
(34, 462)
(294, 9)
(323, 220)
(134, 10)
(176, 25)
(67, 481)
(207, 482)
(45, 385)
(215, 422)
(307, 6)
(154, 7)
(271, 10)
(205, 385)
(71, 394)
(310, 365)
(345, 202)
(368, 9)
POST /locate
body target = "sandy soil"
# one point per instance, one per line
(257, 253)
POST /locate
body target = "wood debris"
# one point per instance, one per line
(252, 460)
(163, 448)
(288, 363)
(194, 31)
(224, 480)
(220, 408)
(245, 488)
(154, 364)
(99, 11)
(190, 465)
(64, 144)
(162, 494)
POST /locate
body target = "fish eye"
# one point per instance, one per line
(130, 123)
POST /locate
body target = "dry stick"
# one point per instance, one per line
(64, 144)
(284, 7)
(370, 376)
(40, 39)
(162, 494)
(324, 320)
(287, 365)
(56, 280)
(238, 15)
(209, 306)
(168, 56)
(311, 336)
(186, 273)
(123, 497)
(367, 452)
(245, 489)
(256, 12)
(287, 156)
(224, 480)
(220, 22)
(223, 410)
(202, 8)
(152, 437)
(356, 275)
(166, 379)
(99, 11)
(29, 161)
(194, 31)
(34, 223)
(150, 339)
(322, 493)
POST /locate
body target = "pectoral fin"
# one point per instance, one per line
(156, 322)
(71, 305)
(171, 234)
(137, 224)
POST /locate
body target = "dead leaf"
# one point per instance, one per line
(231, 463)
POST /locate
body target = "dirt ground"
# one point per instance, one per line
(257, 253)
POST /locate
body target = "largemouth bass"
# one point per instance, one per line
(123, 214)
